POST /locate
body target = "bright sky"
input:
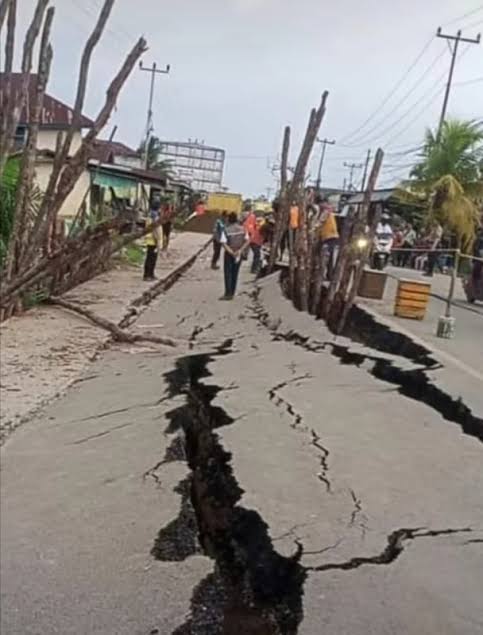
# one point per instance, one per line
(243, 69)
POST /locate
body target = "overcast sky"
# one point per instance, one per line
(243, 69)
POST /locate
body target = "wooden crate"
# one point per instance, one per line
(412, 297)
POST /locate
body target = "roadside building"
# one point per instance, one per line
(195, 163)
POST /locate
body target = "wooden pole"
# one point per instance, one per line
(362, 221)
(281, 219)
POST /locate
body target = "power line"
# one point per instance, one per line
(363, 140)
(418, 114)
(464, 16)
(456, 39)
(470, 81)
(392, 91)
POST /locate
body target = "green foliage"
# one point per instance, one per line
(449, 178)
(458, 152)
(34, 298)
(8, 188)
(133, 254)
(163, 167)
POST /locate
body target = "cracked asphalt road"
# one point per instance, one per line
(380, 496)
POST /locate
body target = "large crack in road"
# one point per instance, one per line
(414, 383)
(253, 588)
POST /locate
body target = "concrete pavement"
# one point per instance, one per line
(325, 500)
(462, 356)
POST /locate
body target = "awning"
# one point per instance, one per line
(113, 180)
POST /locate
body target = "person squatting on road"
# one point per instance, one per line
(151, 241)
(235, 241)
(217, 233)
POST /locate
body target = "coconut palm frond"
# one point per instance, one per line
(457, 212)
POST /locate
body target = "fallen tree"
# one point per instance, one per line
(117, 333)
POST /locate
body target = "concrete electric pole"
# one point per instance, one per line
(324, 143)
(352, 167)
(154, 70)
(456, 39)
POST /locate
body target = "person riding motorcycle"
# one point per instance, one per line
(383, 241)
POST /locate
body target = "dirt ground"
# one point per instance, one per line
(47, 349)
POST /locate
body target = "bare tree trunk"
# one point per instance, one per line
(27, 170)
(7, 103)
(16, 103)
(116, 332)
(62, 156)
(74, 169)
(342, 262)
(282, 216)
(359, 270)
(320, 260)
(4, 4)
(303, 272)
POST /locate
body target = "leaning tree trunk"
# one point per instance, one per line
(359, 267)
(281, 220)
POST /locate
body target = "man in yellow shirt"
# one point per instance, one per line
(151, 241)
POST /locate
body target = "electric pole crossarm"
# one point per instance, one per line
(458, 38)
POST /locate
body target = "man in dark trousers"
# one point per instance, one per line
(235, 242)
(217, 233)
(151, 240)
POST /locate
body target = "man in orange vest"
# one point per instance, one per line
(329, 234)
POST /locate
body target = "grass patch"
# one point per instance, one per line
(133, 254)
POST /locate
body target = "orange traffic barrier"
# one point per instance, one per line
(412, 299)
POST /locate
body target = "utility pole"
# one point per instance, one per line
(366, 168)
(352, 167)
(456, 39)
(154, 70)
(324, 143)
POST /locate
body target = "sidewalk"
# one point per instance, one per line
(47, 349)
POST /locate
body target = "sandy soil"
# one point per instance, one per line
(47, 349)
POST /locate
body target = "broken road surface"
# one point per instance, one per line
(256, 476)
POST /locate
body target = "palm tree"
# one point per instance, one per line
(449, 176)
(163, 167)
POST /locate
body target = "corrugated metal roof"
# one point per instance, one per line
(378, 196)
(55, 114)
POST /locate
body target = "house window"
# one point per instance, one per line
(20, 137)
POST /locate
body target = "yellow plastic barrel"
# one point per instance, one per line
(412, 299)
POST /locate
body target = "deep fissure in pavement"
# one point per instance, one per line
(262, 590)
(392, 551)
(414, 384)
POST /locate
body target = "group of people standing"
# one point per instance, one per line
(322, 225)
(419, 250)
(236, 237)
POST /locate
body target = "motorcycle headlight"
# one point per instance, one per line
(362, 243)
